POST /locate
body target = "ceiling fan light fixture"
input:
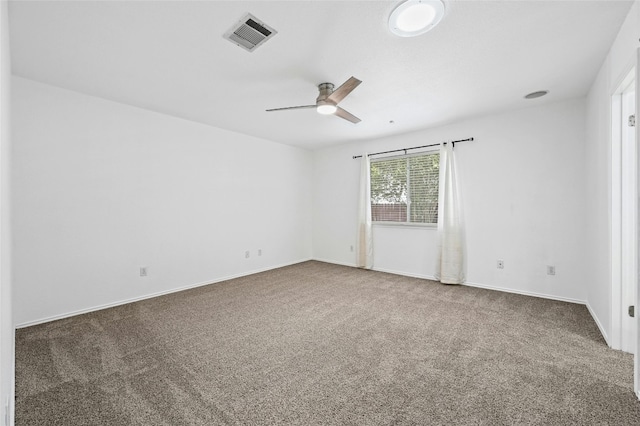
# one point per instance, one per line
(326, 109)
(415, 17)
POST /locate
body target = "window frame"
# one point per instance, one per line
(406, 224)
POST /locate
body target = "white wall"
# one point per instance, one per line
(6, 321)
(617, 65)
(524, 197)
(102, 188)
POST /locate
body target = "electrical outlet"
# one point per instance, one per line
(143, 271)
(500, 264)
(259, 252)
(246, 254)
(551, 270)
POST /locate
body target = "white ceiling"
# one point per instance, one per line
(170, 57)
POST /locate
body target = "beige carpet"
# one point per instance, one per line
(319, 344)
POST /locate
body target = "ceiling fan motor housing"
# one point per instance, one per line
(326, 89)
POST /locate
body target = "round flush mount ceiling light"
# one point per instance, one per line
(414, 17)
(537, 94)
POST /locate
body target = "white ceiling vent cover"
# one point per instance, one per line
(249, 33)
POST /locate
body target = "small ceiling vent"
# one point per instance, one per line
(249, 33)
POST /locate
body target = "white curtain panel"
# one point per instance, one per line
(450, 261)
(365, 241)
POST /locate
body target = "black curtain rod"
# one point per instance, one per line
(415, 147)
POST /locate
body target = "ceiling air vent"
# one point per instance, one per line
(249, 33)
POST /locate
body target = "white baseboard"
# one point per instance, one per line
(600, 327)
(388, 271)
(149, 296)
(526, 293)
(406, 274)
(469, 284)
(335, 262)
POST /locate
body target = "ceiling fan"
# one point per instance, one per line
(328, 100)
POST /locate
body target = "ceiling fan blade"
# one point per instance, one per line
(347, 115)
(341, 92)
(293, 107)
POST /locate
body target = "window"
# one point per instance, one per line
(405, 189)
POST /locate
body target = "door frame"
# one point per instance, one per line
(624, 224)
(636, 359)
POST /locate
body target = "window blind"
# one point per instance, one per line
(405, 189)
